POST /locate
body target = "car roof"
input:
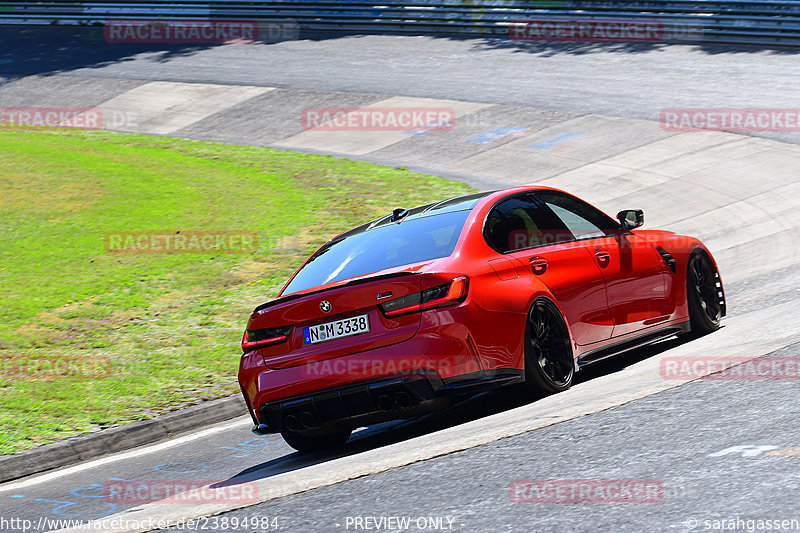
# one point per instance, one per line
(465, 202)
(457, 203)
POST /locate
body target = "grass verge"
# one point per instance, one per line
(91, 338)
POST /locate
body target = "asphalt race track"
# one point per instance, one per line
(579, 117)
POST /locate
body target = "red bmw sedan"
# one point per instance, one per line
(396, 317)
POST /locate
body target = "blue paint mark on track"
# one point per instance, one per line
(428, 128)
(498, 133)
(557, 140)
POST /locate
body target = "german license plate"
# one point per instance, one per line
(336, 329)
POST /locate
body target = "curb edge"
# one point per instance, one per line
(81, 448)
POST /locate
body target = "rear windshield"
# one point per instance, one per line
(386, 246)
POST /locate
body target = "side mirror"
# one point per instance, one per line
(631, 218)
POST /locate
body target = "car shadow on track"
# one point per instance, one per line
(482, 405)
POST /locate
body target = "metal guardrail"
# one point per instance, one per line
(771, 22)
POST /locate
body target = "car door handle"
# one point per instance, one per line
(602, 256)
(538, 265)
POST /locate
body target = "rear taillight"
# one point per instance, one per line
(450, 293)
(258, 338)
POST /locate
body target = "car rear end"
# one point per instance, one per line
(369, 329)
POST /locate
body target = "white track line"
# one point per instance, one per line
(243, 421)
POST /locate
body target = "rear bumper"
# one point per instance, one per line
(400, 380)
(374, 401)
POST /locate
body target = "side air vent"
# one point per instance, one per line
(667, 258)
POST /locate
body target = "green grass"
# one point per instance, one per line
(166, 327)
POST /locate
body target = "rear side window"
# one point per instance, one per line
(523, 222)
(385, 246)
(583, 220)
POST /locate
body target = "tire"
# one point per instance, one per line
(549, 363)
(315, 443)
(703, 294)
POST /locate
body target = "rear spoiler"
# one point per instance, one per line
(282, 299)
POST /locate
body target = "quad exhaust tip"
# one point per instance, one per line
(400, 400)
(307, 419)
(296, 422)
(292, 423)
(403, 400)
(385, 402)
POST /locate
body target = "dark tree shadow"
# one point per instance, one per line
(549, 49)
(46, 50)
